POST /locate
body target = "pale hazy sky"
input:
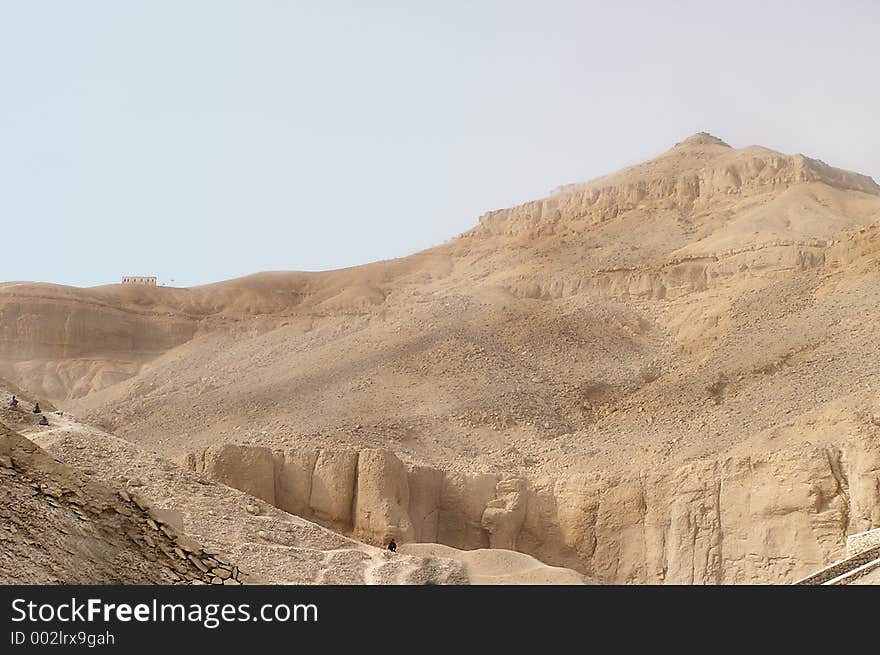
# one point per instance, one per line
(202, 140)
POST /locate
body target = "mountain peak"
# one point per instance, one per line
(701, 139)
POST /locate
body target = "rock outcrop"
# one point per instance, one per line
(333, 486)
(251, 470)
(504, 515)
(381, 499)
(58, 527)
(168, 525)
(690, 176)
(768, 517)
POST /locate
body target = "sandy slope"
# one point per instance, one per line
(499, 566)
(61, 527)
(267, 545)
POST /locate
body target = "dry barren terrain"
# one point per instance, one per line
(666, 375)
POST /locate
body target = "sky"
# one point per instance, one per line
(200, 140)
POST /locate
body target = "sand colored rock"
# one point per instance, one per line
(293, 480)
(503, 517)
(382, 498)
(333, 486)
(89, 533)
(60, 527)
(425, 491)
(675, 360)
(249, 469)
(462, 503)
(688, 176)
(771, 517)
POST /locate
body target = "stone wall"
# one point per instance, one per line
(194, 564)
(858, 543)
(840, 568)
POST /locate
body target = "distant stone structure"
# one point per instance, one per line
(145, 280)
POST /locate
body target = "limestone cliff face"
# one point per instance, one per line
(690, 176)
(247, 469)
(381, 497)
(675, 278)
(765, 518)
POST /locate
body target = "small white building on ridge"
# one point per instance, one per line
(145, 280)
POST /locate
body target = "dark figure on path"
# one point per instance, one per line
(37, 409)
(392, 546)
(44, 420)
(13, 402)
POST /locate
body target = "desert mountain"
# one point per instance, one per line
(663, 375)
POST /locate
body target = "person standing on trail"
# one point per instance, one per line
(13, 402)
(392, 546)
(37, 409)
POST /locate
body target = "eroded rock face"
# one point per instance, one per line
(68, 349)
(247, 468)
(463, 500)
(293, 480)
(425, 489)
(771, 517)
(745, 173)
(503, 517)
(381, 504)
(333, 486)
